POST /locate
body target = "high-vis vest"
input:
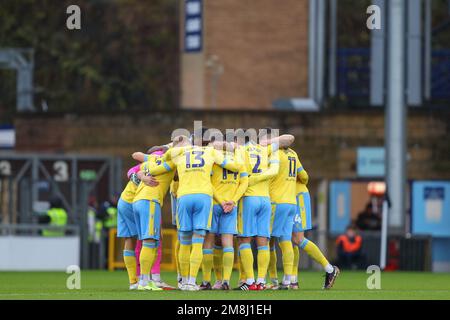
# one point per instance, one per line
(58, 218)
(111, 220)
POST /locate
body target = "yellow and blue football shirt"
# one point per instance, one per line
(254, 210)
(283, 194)
(256, 160)
(129, 192)
(194, 166)
(283, 187)
(148, 200)
(158, 192)
(228, 185)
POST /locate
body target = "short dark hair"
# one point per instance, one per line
(246, 136)
(267, 131)
(56, 202)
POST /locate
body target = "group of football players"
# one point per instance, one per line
(252, 188)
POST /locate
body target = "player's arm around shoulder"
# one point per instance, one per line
(302, 175)
(243, 184)
(173, 153)
(283, 141)
(270, 172)
(139, 156)
(163, 167)
(143, 157)
(147, 180)
(225, 162)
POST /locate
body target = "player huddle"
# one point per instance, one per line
(252, 188)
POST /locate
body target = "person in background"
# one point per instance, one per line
(109, 212)
(368, 220)
(56, 216)
(349, 249)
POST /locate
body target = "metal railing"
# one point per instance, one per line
(27, 179)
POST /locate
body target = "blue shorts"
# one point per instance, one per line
(194, 212)
(282, 220)
(302, 220)
(126, 226)
(173, 205)
(254, 217)
(223, 223)
(147, 215)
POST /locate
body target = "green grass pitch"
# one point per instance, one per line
(113, 285)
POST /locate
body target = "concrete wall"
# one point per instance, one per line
(326, 141)
(42, 253)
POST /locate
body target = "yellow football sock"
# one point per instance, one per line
(130, 263)
(177, 252)
(288, 257)
(147, 257)
(196, 257)
(246, 254)
(218, 262)
(273, 272)
(183, 258)
(263, 262)
(228, 261)
(207, 264)
(296, 261)
(314, 252)
(242, 275)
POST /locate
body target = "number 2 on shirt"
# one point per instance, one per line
(256, 168)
